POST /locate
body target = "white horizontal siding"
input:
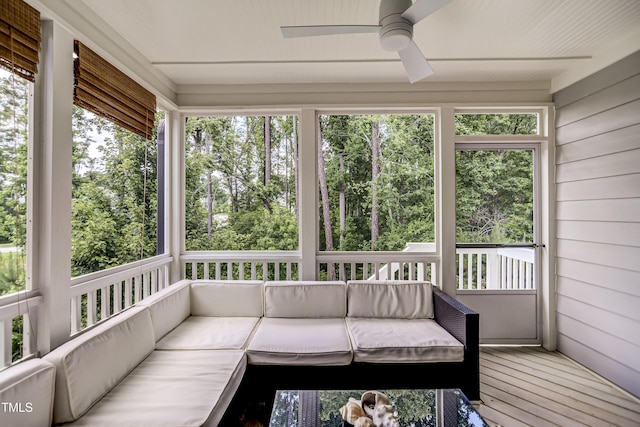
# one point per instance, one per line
(617, 282)
(601, 298)
(613, 233)
(613, 187)
(624, 163)
(598, 222)
(599, 145)
(622, 210)
(616, 118)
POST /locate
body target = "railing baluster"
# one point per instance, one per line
(6, 341)
(91, 308)
(194, 270)
(105, 305)
(206, 271)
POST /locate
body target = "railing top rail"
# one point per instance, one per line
(82, 287)
(387, 256)
(494, 245)
(161, 259)
(240, 256)
(12, 307)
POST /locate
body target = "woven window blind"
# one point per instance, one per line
(106, 91)
(20, 37)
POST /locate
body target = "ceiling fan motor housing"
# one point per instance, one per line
(395, 32)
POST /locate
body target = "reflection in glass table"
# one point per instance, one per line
(411, 408)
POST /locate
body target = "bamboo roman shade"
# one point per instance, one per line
(106, 91)
(20, 37)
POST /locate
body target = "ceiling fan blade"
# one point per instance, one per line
(326, 30)
(415, 64)
(423, 8)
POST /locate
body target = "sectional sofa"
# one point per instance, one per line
(178, 357)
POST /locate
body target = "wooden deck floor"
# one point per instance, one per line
(529, 386)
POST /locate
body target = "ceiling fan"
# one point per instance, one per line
(395, 31)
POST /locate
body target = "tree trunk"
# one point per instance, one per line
(209, 191)
(375, 173)
(343, 202)
(295, 166)
(267, 159)
(326, 215)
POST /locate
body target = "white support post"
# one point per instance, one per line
(49, 221)
(446, 199)
(174, 149)
(546, 256)
(308, 215)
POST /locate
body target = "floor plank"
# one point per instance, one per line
(529, 386)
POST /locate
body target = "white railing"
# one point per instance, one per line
(377, 266)
(241, 265)
(284, 265)
(100, 295)
(17, 313)
(495, 268)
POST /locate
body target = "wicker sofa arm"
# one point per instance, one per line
(458, 319)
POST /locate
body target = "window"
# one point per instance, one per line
(376, 175)
(114, 212)
(114, 195)
(241, 183)
(14, 119)
(497, 124)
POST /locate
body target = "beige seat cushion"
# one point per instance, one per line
(210, 333)
(279, 341)
(88, 366)
(172, 388)
(402, 340)
(29, 385)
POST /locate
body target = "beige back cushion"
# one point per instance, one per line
(28, 386)
(305, 299)
(168, 308)
(234, 298)
(390, 299)
(90, 365)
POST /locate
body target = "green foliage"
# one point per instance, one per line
(114, 211)
(229, 203)
(494, 196)
(404, 188)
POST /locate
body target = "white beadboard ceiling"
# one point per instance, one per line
(233, 42)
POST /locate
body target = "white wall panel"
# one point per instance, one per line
(613, 233)
(624, 139)
(614, 187)
(613, 324)
(601, 298)
(606, 99)
(625, 257)
(622, 282)
(607, 121)
(598, 222)
(622, 210)
(624, 163)
(623, 351)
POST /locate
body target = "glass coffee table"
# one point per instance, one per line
(415, 408)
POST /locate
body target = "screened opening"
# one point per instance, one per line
(497, 124)
(376, 178)
(114, 195)
(241, 183)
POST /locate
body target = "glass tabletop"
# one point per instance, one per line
(362, 408)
